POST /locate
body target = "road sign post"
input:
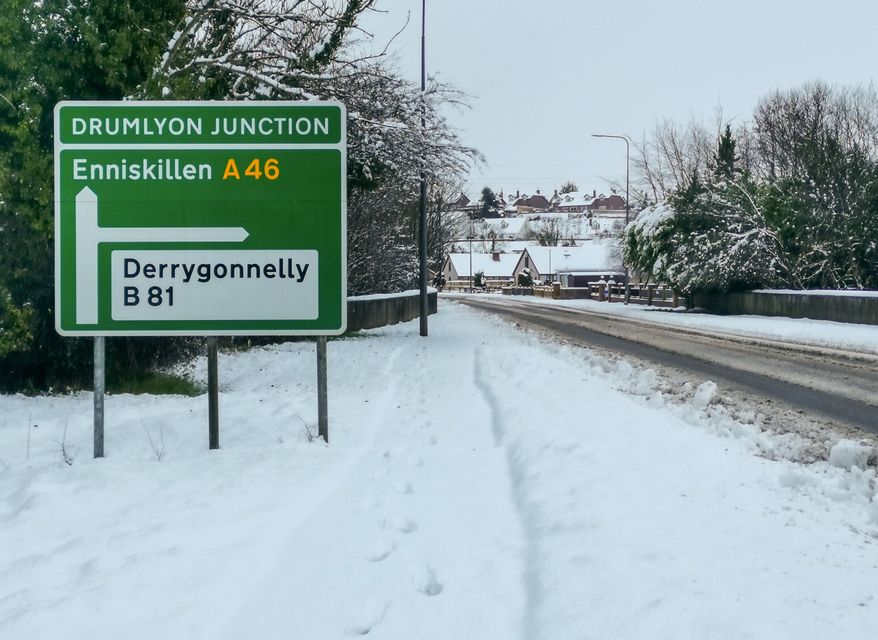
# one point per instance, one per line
(212, 394)
(99, 384)
(200, 218)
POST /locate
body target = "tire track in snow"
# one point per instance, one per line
(533, 583)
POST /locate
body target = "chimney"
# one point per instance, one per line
(594, 193)
(517, 194)
(495, 256)
(538, 192)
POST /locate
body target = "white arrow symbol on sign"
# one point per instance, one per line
(89, 235)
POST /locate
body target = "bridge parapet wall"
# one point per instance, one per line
(370, 312)
(849, 307)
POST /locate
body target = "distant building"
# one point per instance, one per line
(510, 206)
(547, 263)
(531, 204)
(495, 266)
(466, 204)
(611, 203)
(583, 202)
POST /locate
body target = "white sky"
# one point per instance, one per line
(545, 74)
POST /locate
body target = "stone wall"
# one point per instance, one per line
(369, 312)
(839, 308)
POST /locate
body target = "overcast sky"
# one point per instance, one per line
(545, 74)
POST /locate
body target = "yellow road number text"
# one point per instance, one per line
(269, 169)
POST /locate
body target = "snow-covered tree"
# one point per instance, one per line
(711, 235)
(295, 50)
(819, 153)
(709, 238)
(809, 164)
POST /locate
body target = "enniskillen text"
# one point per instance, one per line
(162, 169)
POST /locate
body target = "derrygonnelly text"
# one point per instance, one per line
(186, 272)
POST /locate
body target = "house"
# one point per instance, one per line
(495, 266)
(547, 263)
(583, 202)
(465, 203)
(573, 202)
(461, 202)
(606, 204)
(529, 204)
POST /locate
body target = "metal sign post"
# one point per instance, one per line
(212, 394)
(200, 219)
(322, 411)
(99, 380)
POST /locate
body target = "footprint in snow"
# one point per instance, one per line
(400, 524)
(379, 549)
(425, 581)
(365, 617)
(404, 488)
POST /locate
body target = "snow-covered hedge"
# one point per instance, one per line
(716, 240)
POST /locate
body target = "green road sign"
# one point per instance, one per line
(200, 218)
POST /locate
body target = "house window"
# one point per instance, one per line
(526, 262)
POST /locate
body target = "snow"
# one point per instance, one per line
(385, 296)
(651, 219)
(456, 500)
(847, 454)
(704, 395)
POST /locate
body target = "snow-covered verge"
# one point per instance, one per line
(480, 483)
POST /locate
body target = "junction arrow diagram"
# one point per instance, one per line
(89, 234)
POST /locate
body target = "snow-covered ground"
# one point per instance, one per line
(480, 483)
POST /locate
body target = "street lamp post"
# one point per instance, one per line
(422, 217)
(627, 195)
(472, 235)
